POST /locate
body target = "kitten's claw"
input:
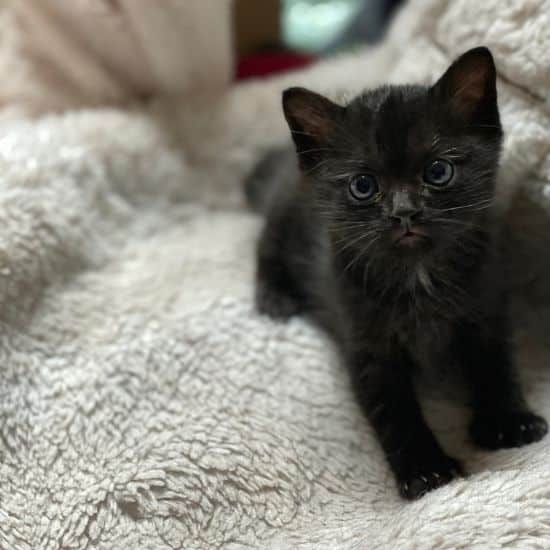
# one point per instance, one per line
(507, 429)
(416, 485)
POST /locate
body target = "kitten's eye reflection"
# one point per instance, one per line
(438, 172)
(363, 187)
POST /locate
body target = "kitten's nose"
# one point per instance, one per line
(403, 208)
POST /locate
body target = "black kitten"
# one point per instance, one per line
(387, 241)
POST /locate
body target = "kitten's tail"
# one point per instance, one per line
(275, 174)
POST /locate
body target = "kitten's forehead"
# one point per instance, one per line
(396, 122)
(394, 95)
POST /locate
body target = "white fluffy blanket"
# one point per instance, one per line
(143, 402)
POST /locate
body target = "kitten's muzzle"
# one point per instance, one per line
(404, 208)
(410, 229)
(406, 214)
(407, 220)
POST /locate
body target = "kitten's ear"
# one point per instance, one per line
(312, 119)
(469, 87)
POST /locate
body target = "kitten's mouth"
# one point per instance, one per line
(411, 236)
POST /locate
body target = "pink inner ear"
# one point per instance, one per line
(315, 123)
(470, 87)
(311, 114)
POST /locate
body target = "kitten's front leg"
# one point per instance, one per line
(388, 399)
(502, 418)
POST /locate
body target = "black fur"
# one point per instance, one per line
(396, 300)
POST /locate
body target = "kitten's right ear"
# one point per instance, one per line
(312, 119)
(469, 87)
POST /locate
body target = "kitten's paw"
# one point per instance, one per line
(276, 304)
(507, 429)
(429, 477)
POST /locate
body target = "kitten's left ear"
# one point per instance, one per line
(312, 119)
(469, 87)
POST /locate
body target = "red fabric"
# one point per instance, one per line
(267, 63)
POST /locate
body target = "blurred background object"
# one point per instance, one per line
(257, 25)
(276, 35)
(65, 55)
(313, 25)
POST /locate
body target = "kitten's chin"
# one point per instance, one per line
(411, 241)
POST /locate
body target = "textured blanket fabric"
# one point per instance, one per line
(143, 402)
(61, 55)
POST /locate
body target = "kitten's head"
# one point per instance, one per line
(404, 172)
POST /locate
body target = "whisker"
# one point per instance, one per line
(321, 150)
(361, 255)
(485, 203)
(350, 243)
(451, 221)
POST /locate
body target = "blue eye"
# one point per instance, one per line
(438, 172)
(363, 187)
